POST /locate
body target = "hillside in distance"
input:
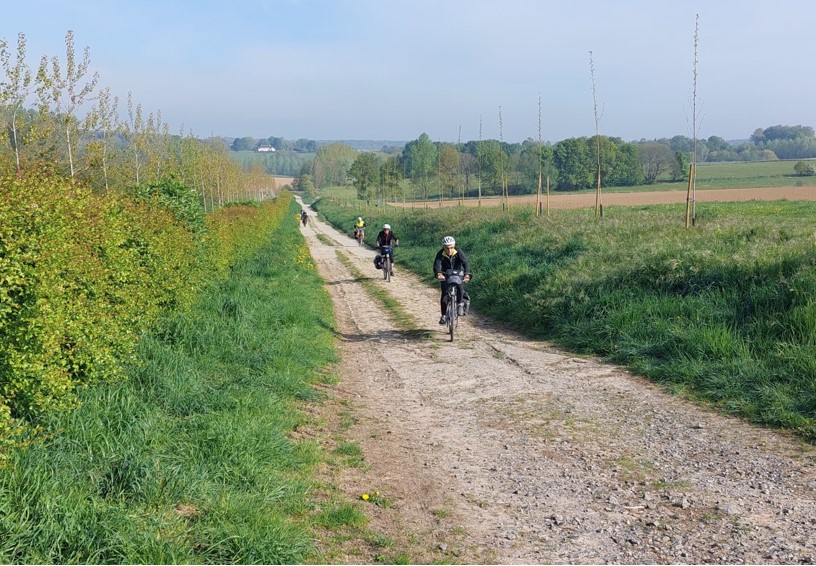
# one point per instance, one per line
(365, 145)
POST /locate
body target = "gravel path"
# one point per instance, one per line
(499, 449)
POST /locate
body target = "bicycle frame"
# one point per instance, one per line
(454, 279)
(385, 253)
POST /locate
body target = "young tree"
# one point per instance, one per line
(13, 95)
(535, 159)
(104, 121)
(691, 199)
(157, 138)
(133, 130)
(63, 95)
(598, 203)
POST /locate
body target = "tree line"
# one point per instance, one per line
(114, 144)
(247, 143)
(493, 167)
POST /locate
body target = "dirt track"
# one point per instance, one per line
(498, 449)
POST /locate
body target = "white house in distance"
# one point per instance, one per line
(265, 148)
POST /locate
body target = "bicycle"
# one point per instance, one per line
(454, 278)
(359, 235)
(387, 266)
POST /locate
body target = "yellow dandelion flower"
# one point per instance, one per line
(364, 497)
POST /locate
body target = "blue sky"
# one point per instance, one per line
(393, 69)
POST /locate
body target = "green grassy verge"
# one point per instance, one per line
(725, 312)
(192, 458)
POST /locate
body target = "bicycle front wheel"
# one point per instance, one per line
(387, 268)
(451, 315)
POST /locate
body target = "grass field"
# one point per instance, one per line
(724, 312)
(741, 175)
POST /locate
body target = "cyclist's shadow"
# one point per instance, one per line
(386, 335)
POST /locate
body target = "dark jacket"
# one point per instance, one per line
(383, 240)
(458, 260)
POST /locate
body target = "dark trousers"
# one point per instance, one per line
(444, 301)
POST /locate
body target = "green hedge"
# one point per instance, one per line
(83, 275)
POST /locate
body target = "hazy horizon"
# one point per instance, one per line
(368, 70)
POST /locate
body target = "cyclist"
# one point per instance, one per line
(449, 257)
(359, 226)
(303, 217)
(387, 238)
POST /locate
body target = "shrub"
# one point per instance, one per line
(83, 275)
(804, 169)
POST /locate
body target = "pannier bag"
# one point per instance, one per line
(378, 261)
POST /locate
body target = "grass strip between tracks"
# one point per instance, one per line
(398, 315)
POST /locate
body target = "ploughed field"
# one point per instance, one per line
(581, 200)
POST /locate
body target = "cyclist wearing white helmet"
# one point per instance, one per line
(387, 238)
(451, 257)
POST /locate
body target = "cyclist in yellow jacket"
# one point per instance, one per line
(359, 226)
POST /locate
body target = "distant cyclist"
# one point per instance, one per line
(303, 217)
(449, 257)
(359, 227)
(387, 238)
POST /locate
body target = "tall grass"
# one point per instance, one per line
(191, 459)
(725, 312)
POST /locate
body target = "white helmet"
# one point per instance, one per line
(448, 241)
(359, 219)
(386, 226)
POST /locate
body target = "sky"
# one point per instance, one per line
(457, 70)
